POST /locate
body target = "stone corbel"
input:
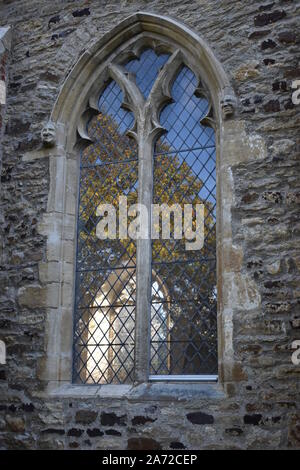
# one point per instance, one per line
(228, 104)
(48, 134)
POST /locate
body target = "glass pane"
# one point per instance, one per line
(146, 69)
(105, 271)
(184, 296)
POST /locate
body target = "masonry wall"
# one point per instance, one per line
(258, 44)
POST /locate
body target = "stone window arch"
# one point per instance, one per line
(66, 136)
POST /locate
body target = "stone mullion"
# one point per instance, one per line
(143, 267)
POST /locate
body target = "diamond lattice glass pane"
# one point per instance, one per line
(146, 69)
(105, 271)
(184, 305)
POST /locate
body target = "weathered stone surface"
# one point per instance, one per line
(268, 44)
(113, 432)
(53, 431)
(142, 443)
(177, 445)
(254, 419)
(140, 420)
(74, 432)
(294, 431)
(274, 268)
(85, 416)
(95, 432)
(268, 18)
(200, 418)
(287, 37)
(110, 419)
(15, 424)
(234, 431)
(247, 71)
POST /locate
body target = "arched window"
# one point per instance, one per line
(142, 118)
(147, 308)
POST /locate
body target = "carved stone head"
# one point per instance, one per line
(228, 105)
(48, 134)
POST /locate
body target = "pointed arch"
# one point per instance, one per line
(81, 88)
(76, 103)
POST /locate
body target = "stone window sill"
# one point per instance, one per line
(146, 391)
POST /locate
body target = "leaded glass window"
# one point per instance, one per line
(146, 308)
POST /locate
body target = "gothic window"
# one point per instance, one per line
(146, 308)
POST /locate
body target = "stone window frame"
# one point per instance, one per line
(66, 134)
(145, 131)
